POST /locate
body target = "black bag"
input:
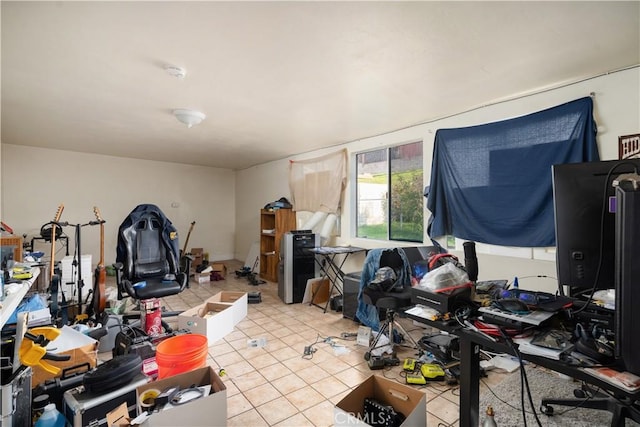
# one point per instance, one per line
(115, 373)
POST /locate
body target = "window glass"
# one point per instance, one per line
(389, 193)
(407, 206)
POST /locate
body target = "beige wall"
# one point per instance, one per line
(35, 181)
(226, 204)
(617, 112)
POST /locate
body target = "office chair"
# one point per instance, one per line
(148, 257)
(621, 407)
(389, 296)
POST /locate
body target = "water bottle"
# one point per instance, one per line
(1, 285)
(489, 421)
(51, 417)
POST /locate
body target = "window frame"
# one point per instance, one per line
(388, 170)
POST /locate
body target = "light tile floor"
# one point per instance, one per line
(275, 385)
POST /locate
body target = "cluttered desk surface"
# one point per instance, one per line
(14, 294)
(545, 332)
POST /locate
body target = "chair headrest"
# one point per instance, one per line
(391, 258)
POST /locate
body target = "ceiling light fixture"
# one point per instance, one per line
(174, 71)
(189, 117)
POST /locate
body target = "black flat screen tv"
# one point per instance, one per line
(584, 212)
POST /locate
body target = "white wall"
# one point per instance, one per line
(226, 204)
(36, 180)
(616, 110)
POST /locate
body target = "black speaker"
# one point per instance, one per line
(470, 260)
(350, 288)
(627, 280)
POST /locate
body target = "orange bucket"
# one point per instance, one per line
(180, 354)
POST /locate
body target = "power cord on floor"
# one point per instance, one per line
(330, 340)
(524, 382)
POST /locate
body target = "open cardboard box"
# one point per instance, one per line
(211, 319)
(202, 277)
(82, 349)
(208, 410)
(237, 301)
(406, 400)
(220, 268)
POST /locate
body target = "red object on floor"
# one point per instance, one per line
(151, 317)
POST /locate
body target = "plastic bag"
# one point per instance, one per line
(443, 278)
(33, 303)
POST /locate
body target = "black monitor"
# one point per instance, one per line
(594, 218)
(584, 209)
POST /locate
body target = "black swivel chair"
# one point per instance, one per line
(148, 256)
(389, 303)
(621, 407)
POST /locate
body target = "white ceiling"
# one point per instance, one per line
(282, 78)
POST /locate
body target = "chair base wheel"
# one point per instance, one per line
(546, 409)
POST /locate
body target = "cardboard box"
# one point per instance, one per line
(214, 320)
(198, 255)
(237, 300)
(202, 277)
(219, 268)
(82, 349)
(406, 400)
(208, 410)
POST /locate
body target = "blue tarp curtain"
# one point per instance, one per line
(492, 183)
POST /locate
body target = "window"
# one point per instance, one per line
(389, 193)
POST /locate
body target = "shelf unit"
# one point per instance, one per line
(273, 224)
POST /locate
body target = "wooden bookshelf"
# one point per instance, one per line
(273, 224)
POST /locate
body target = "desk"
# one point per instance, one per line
(331, 269)
(13, 299)
(470, 343)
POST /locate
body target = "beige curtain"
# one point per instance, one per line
(316, 184)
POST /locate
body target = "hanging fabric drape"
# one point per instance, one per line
(316, 184)
(492, 183)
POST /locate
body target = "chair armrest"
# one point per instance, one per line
(183, 276)
(123, 285)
